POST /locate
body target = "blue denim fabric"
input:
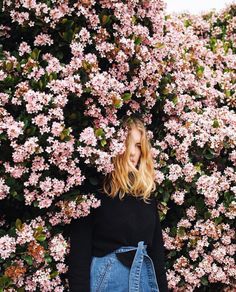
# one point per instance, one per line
(108, 274)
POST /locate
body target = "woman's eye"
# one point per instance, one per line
(138, 145)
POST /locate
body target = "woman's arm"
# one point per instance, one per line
(80, 255)
(156, 252)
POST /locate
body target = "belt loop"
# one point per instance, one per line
(140, 243)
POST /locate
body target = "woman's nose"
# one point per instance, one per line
(132, 151)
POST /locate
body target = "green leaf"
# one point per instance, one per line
(228, 198)
(173, 231)
(161, 190)
(41, 84)
(200, 71)
(204, 281)
(99, 132)
(117, 103)
(68, 35)
(175, 100)
(198, 166)
(5, 282)
(209, 154)
(213, 42)
(126, 96)
(187, 22)
(35, 203)
(136, 62)
(40, 237)
(39, 229)
(65, 134)
(105, 19)
(53, 274)
(166, 197)
(193, 242)
(171, 254)
(8, 66)
(31, 130)
(207, 215)
(28, 259)
(138, 40)
(68, 23)
(59, 55)
(200, 204)
(103, 142)
(18, 224)
(218, 220)
(226, 47)
(216, 123)
(87, 89)
(181, 231)
(3, 136)
(16, 195)
(35, 54)
(48, 259)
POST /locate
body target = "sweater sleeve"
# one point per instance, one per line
(79, 259)
(156, 252)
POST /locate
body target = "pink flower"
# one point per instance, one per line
(57, 128)
(189, 172)
(16, 171)
(88, 137)
(159, 177)
(43, 39)
(184, 223)
(175, 171)
(219, 254)
(7, 246)
(24, 48)
(73, 209)
(178, 197)
(4, 189)
(193, 254)
(3, 75)
(232, 157)
(25, 234)
(4, 98)
(191, 213)
(58, 247)
(15, 129)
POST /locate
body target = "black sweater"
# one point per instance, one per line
(114, 224)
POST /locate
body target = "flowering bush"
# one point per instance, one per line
(33, 257)
(196, 151)
(69, 72)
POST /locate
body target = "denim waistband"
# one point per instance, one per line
(126, 254)
(141, 269)
(140, 245)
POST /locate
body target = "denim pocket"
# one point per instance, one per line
(100, 273)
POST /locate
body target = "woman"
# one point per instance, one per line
(119, 245)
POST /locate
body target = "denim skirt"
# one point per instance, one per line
(108, 274)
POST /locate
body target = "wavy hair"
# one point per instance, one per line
(126, 178)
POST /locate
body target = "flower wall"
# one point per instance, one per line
(69, 72)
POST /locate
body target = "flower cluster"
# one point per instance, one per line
(34, 257)
(197, 151)
(70, 71)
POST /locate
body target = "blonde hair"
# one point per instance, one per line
(127, 179)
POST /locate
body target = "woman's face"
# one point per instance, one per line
(134, 146)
